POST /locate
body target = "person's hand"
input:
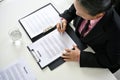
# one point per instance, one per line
(71, 55)
(61, 27)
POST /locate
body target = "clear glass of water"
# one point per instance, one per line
(15, 36)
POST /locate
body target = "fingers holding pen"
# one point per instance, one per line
(61, 27)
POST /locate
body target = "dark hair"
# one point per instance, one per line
(115, 2)
(95, 7)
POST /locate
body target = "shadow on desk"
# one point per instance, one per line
(117, 74)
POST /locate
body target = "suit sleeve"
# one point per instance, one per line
(88, 59)
(108, 58)
(69, 14)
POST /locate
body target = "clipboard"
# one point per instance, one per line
(77, 40)
(46, 31)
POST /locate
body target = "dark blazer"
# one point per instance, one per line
(117, 8)
(104, 39)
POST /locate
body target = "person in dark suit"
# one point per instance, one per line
(102, 33)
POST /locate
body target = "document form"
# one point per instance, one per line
(17, 71)
(50, 47)
(39, 20)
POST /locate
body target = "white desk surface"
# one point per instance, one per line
(10, 12)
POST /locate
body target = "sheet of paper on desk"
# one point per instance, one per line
(51, 46)
(36, 22)
(17, 71)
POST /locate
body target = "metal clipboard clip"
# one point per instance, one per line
(34, 54)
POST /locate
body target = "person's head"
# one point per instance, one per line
(91, 9)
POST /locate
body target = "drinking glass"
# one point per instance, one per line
(15, 36)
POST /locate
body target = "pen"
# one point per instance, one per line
(61, 24)
(48, 28)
